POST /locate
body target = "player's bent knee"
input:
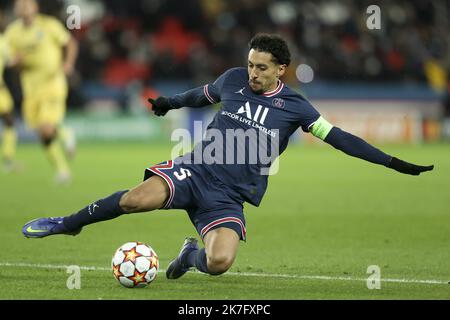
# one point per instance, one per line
(47, 135)
(221, 247)
(218, 264)
(47, 131)
(8, 120)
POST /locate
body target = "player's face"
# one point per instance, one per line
(25, 8)
(263, 73)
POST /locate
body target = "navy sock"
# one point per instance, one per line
(101, 210)
(197, 258)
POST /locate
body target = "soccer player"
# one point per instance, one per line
(253, 98)
(38, 43)
(9, 134)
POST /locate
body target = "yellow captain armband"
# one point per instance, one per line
(321, 128)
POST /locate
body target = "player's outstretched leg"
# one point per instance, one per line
(149, 195)
(104, 209)
(220, 250)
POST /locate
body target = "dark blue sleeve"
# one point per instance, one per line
(356, 147)
(193, 98)
(306, 114)
(201, 96)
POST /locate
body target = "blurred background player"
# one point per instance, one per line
(9, 134)
(38, 43)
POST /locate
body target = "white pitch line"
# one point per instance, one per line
(312, 277)
(49, 266)
(244, 274)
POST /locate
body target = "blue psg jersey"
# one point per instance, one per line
(248, 132)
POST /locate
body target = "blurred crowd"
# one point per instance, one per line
(121, 41)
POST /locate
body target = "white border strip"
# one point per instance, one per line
(244, 274)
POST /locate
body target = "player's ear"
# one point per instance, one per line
(281, 70)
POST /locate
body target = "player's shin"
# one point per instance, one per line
(197, 258)
(9, 142)
(56, 156)
(104, 209)
(67, 137)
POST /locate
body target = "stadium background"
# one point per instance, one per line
(389, 84)
(325, 218)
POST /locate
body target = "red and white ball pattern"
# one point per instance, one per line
(135, 264)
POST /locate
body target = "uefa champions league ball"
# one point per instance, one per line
(135, 264)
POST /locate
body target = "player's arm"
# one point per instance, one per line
(5, 52)
(195, 98)
(71, 53)
(14, 58)
(357, 147)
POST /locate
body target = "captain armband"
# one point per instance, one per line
(321, 128)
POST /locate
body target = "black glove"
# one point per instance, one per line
(408, 168)
(160, 106)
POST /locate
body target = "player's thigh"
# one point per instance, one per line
(182, 181)
(51, 112)
(30, 111)
(149, 195)
(221, 245)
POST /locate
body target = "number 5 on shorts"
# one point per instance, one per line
(184, 173)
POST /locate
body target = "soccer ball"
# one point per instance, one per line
(135, 264)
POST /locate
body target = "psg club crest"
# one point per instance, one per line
(278, 102)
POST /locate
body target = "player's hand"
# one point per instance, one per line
(408, 168)
(160, 106)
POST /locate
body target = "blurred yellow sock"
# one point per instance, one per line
(9, 143)
(63, 132)
(56, 156)
(67, 138)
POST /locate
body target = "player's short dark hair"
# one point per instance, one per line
(273, 44)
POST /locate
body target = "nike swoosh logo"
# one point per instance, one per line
(31, 230)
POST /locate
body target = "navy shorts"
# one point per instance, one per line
(209, 203)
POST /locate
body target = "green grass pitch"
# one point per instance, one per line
(325, 219)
